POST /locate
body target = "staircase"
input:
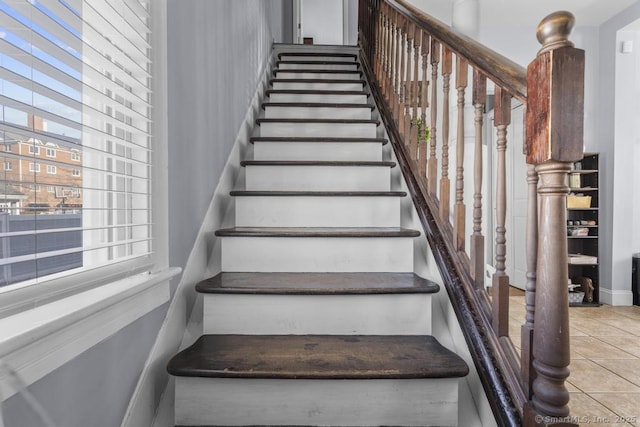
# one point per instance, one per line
(317, 317)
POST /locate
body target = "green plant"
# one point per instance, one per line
(424, 132)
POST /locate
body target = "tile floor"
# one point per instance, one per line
(605, 362)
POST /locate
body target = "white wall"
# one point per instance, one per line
(616, 145)
(217, 53)
(625, 137)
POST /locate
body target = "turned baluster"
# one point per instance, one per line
(459, 212)
(406, 108)
(414, 95)
(554, 138)
(476, 242)
(526, 331)
(445, 183)
(432, 164)
(424, 104)
(396, 64)
(379, 31)
(500, 280)
(386, 61)
(398, 106)
(386, 46)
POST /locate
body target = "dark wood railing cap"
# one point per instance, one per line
(554, 30)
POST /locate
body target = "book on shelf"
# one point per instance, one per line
(574, 180)
(582, 259)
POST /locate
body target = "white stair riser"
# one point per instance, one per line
(357, 151)
(320, 178)
(319, 66)
(234, 402)
(318, 211)
(285, 57)
(288, 74)
(317, 254)
(317, 86)
(318, 97)
(381, 314)
(273, 112)
(363, 130)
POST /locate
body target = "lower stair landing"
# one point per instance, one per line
(291, 380)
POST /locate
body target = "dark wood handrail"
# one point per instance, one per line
(510, 76)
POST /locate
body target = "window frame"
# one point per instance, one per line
(49, 323)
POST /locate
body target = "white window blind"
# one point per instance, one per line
(75, 95)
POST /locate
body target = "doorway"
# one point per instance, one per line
(325, 22)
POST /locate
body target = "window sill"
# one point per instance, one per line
(37, 341)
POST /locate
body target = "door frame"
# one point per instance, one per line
(298, 24)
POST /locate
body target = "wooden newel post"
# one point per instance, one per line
(554, 131)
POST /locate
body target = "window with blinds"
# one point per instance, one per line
(75, 137)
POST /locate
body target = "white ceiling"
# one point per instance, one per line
(530, 12)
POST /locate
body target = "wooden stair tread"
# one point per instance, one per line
(317, 105)
(335, 54)
(316, 163)
(316, 283)
(339, 81)
(317, 357)
(315, 70)
(284, 193)
(314, 62)
(316, 232)
(334, 121)
(315, 92)
(315, 139)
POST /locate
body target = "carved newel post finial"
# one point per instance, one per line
(554, 30)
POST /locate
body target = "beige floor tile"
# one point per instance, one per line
(591, 313)
(571, 388)
(629, 344)
(624, 405)
(576, 332)
(591, 377)
(605, 367)
(630, 311)
(594, 348)
(590, 412)
(625, 324)
(597, 328)
(627, 369)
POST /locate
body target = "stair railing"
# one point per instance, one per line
(411, 61)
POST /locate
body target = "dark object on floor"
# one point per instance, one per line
(586, 286)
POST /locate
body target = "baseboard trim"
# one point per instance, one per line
(616, 298)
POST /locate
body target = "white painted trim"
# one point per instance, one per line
(297, 21)
(616, 298)
(345, 22)
(203, 261)
(35, 342)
